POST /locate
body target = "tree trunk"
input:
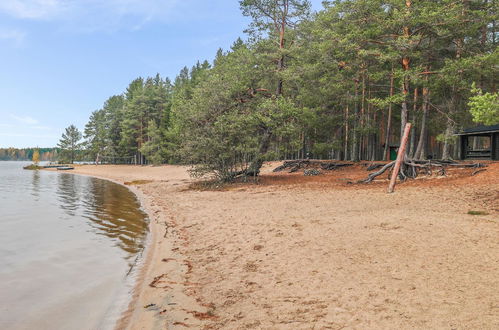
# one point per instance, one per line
(413, 131)
(362, 148)
(421, 149)
(404, 110)
(345, 156)
(400, 157)
(256, 165)
(280, 62)
(254, 168)
(405, 79)
(355, 153)
(374, 138)
(454, 101)
(389, 120)
(448, 133)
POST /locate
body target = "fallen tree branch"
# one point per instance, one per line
(294, 165)
(478, 171)
(372, 176)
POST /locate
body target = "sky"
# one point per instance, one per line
(61, 59)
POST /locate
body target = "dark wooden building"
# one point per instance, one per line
(480, 142)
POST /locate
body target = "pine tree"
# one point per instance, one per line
(70, 143)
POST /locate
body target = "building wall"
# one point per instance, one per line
(495, 146)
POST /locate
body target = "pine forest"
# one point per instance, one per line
(339, 84)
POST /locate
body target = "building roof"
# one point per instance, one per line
(480, 130)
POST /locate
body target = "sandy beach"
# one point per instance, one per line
(295, 252)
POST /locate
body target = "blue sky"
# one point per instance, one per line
(61, 59)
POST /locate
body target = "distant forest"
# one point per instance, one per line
(27, 153)
(337, 84)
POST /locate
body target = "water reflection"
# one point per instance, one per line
(67, 246)
(111, 210)
(114, 212)
(35, 182)
(68, 194)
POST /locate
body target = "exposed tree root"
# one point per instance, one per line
(478, 171)
(411, 168)
(373, 175)
(295, 165)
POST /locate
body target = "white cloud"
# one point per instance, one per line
(34, 9)
(25, 119)
(91, 14)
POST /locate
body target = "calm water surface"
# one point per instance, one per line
(68, 246)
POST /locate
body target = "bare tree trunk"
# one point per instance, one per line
(389, 120)
(448, 133)
(374, 137)
(363, 118)
(345, 156)
(256, 164)
(454, 101)
(355, 153)
(413, 131)
(280, 62)
(405, 79)
(483, 41)
(404, 110)
(421, 149)
(400, 157)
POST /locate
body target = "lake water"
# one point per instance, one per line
(68, 247)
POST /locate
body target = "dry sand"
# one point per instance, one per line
(297, 252)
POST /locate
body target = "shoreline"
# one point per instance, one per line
(297, 251)
(134, 316)
(145, 259)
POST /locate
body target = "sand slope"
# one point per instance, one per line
(317, 254)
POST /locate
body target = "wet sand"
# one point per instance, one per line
(298, 252)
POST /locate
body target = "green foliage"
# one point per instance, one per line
(154, 148)
(484, 106)
(325, 85)
(267, 15)
(122, 130)
(70, 144)
(228, 117)
(95, 134)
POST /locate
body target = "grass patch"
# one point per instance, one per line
(217, 185)
(209, 185)
(137, 182)
(474, 212)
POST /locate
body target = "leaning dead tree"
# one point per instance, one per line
(400, 157)
(406, 168)
(411, 169)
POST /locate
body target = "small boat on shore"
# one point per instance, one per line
(64, 168)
